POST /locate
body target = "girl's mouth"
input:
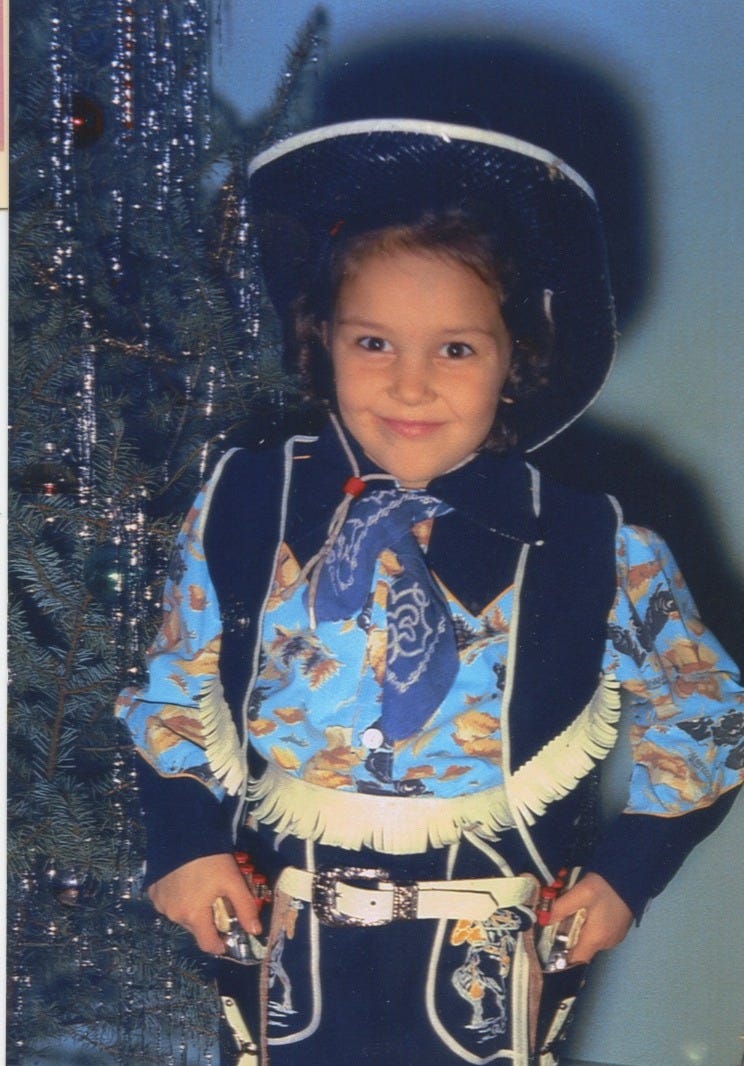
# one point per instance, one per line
(410, 428)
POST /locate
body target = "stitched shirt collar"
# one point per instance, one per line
(473, 549)
(493, 492)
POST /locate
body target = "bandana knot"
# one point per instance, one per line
(421, 656)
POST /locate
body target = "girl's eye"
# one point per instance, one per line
(456, 350)
(374, 344)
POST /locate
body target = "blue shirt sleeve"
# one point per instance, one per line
(687, 729)
(178, 720)
(191, 759)
(682, 688)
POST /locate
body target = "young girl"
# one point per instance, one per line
(392, 654)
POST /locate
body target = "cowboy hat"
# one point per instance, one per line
(372, 173)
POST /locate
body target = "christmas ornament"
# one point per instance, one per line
(50, 476)
(104, 573)
(87, 120)
(70, 886)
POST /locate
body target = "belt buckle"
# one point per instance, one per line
(325, 894)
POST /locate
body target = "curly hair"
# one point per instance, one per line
(453, 235)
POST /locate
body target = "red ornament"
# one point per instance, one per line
(87, 120)
(49, 477)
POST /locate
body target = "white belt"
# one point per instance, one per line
(338, 899)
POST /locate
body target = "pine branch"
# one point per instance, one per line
(302, 53)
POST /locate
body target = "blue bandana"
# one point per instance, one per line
(421, 661)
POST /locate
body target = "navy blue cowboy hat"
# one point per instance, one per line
(372, 173)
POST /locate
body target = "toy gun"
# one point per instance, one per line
(561, 979)
(242, 947)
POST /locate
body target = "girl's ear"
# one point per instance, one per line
(511, 385)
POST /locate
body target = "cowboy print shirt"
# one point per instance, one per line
(681, 690)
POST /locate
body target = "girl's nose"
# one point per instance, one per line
(410, 379)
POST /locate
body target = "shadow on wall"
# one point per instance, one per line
(573, 110)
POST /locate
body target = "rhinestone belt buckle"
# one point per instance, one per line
(325, 896)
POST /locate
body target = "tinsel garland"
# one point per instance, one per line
(136, 348)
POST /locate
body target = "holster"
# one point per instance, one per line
(240, 1014)
(559, 992)
(561, 984)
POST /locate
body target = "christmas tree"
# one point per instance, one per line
(135, 358)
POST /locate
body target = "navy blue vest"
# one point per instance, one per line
(567, 592)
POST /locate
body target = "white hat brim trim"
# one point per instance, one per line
(444, 130)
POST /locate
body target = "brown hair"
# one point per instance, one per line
(458, 237)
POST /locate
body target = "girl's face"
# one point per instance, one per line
(420, 354)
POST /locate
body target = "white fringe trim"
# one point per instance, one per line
(399, 826)
(558, 767)
(221, 741)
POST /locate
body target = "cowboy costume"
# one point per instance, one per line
(397, 700)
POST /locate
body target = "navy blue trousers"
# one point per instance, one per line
(340, 995)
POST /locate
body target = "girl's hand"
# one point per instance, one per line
(187, 893)
(608, 918)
